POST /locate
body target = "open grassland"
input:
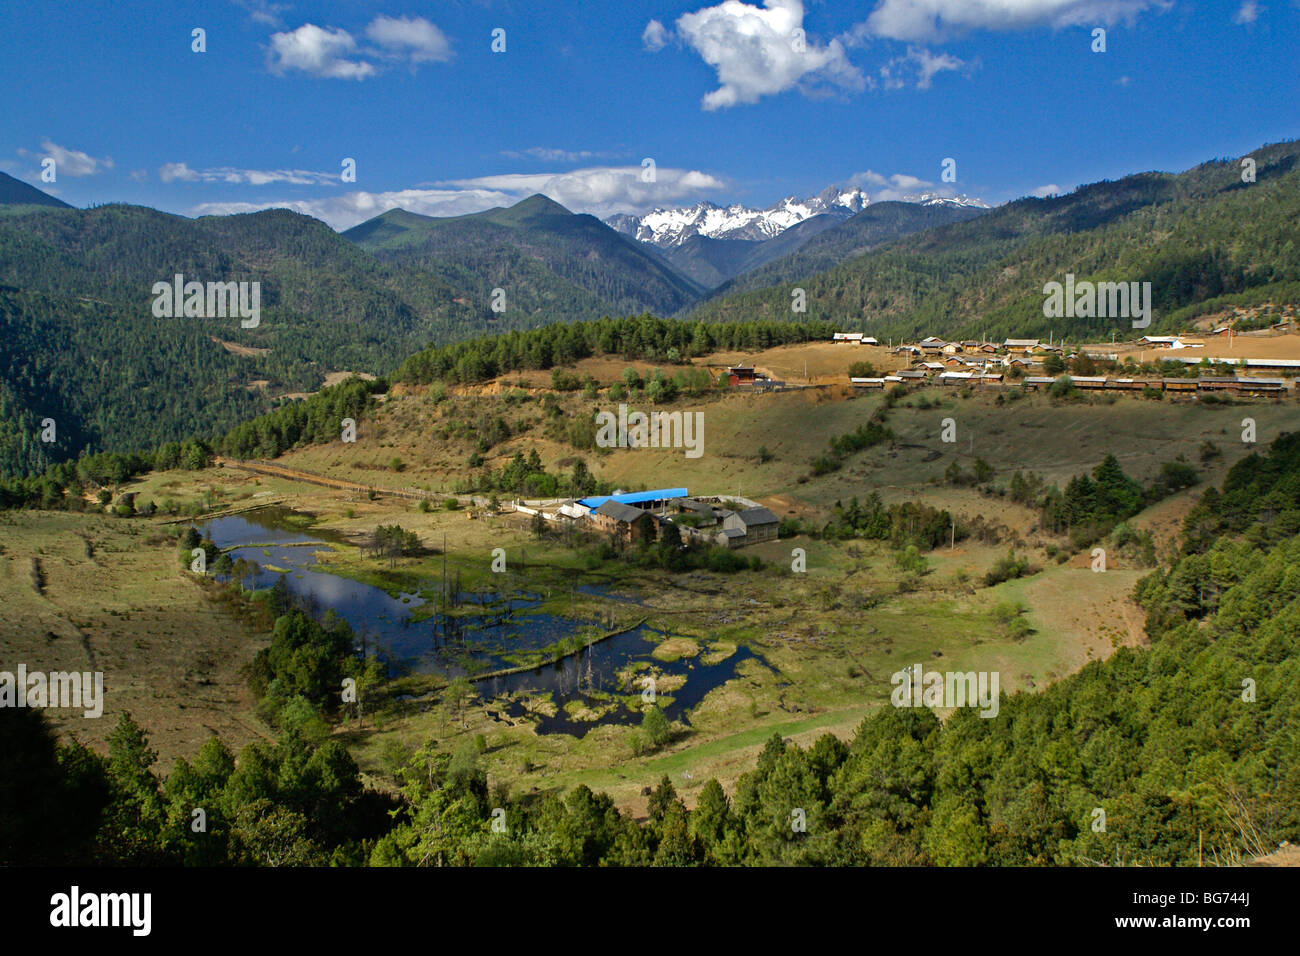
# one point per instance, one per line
(762, 445)
(168, 654)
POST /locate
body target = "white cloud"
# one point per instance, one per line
(601, 191)
(1248, 13)
(923, 62)
(413, 37)
(550, 155)
(897, 186)
(758, 51)
(931, 20)
(264, 12)
(318, 52)
(1051, 189)
(173, 172)
(69, 162)
(655, 36)
(333, 53)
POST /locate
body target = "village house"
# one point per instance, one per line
(867, 382)
(1179, 385)
(624, 522)
(654, 500)
(755, 525)
(1021, 346)
(1088, 381)
(1261, 386)
(701, 513)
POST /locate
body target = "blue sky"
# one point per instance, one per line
(730, 101)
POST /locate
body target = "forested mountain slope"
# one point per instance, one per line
(83, 346)
(826, 248)
(1200, 238)
(551, 264)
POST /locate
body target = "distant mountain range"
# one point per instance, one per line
(1204, 239)
(712, 244)
(934, 199)
(672, 227)
(82, 346)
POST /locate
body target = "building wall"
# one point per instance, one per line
(620, 529)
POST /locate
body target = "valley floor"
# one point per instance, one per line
(825, 642)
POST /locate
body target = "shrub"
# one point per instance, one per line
(1063, 387)
(656, 727)
(1006, 569)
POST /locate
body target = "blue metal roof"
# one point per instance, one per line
(633, 498)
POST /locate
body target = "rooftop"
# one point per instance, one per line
(757, 516)
(634, 497)
(619, 511)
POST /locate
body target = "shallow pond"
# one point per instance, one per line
(466, 640)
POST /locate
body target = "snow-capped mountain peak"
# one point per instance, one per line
(672, 227)
(934, 199)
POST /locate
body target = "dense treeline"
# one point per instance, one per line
(295, 802)
(317, 418)
(905, 523)
(643, 337)
(528, 478)
(1091, 506)
(313, 420)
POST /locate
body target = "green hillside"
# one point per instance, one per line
(1201, 238)
(82, 344)
(552, 264)
(794, 254)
